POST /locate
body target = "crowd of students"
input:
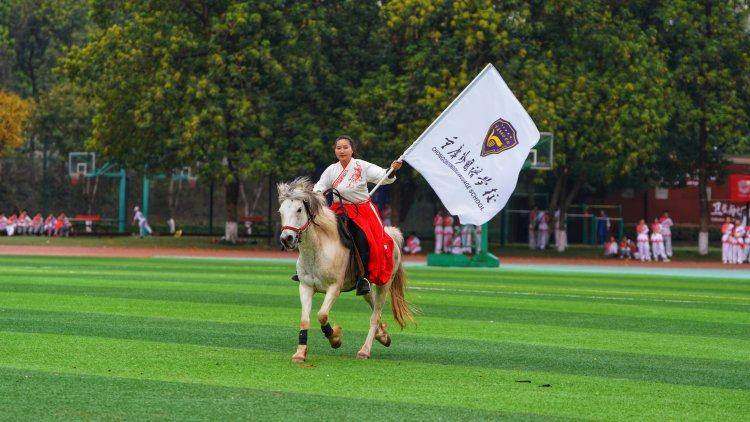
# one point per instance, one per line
(22, 224)
(455, 238)
(735, 241)
(656, 246)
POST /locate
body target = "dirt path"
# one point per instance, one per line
(135, 252)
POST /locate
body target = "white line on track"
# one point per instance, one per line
(567, 295)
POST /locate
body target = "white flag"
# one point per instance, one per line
(472, 153)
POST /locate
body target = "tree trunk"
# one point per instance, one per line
(703, 152)
(232, 188)
(244, 200)
(703, 190)
(171, 206)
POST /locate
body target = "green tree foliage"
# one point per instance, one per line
(708, 48)
(243, 88)
(596, 80)
(585, 71)
(38, 32)
(430, 51)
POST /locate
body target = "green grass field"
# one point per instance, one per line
(92, 338)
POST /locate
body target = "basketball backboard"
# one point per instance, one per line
(81, 164)
(541, 156)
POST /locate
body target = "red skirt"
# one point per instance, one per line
(381, 245)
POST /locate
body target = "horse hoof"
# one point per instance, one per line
(300, 356)
(335, 338)
(383, 337)
(385, 342)
(363, 355)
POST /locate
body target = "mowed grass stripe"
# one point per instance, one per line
(410, 348)
(25, 317)
(252, 277)
(355, 307)
(272, 284)
(41, 395)
(242, 270)
(433, 303)
(418, 383)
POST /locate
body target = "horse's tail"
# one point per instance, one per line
(402, 309)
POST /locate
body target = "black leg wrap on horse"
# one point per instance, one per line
(302, 337)
(327, 330)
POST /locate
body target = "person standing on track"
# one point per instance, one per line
(448, 233)
(657, 242)
(543, 230)
(738, 243)
(644, 254)
(532, 227)
(726, 240)
(438, 223)
(666, 231)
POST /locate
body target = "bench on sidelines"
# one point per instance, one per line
(255, 222)
(88, 221)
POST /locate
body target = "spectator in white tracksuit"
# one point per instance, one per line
(466, 234)
(448, 233)
(533, 221)
(438, 223)
(657, 242)
(666, 231)
(477, 239)
(726, 240)
(644, 254)
(542, 230)
(144, 228)
(738, 242)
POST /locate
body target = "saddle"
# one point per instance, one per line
(356, 267)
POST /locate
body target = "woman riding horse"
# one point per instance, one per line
(348, 178)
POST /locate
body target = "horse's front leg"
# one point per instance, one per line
(305, 297)
(332, 334)
(377, 307)
(381, 335)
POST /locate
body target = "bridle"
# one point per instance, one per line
(302, 228)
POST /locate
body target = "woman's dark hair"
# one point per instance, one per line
(352, 143)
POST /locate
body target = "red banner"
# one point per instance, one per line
(739, 187)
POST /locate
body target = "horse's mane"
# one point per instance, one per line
(301, 189)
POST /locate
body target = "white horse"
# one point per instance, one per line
(324, 266)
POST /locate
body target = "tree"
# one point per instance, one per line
(708, 47)
(215, 83)
(431, 50)
(14, 115)
(594, 78)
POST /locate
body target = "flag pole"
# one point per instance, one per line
(436, 121)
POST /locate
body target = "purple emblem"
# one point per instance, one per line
(501, 136)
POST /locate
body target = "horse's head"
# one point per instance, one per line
(298, 207)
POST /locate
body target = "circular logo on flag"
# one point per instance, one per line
(501, 136)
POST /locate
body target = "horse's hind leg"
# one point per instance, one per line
(377, 307)
(381, 335)
(332, 334)
(305, 297)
